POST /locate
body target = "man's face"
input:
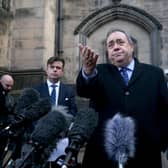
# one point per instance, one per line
(119, 49)
(7, 84)
(55, 71)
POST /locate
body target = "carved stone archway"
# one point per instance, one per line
(128, 13)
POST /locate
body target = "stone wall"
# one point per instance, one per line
(28, 39)
(75, 13)
(28, 34)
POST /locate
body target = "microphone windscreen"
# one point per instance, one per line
(81, 130)
(49, 127)
(36, 110)
(84, 124)
(27, 97)
(119, 138)
(33, 112)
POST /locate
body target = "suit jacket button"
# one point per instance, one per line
(127, 93)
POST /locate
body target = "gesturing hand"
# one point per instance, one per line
(89, 58)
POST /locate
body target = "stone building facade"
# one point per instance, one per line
(33, 30)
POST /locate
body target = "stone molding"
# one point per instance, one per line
(125, 12)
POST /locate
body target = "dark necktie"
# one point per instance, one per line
(53, 94)
(124, 74)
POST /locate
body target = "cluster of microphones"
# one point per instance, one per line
(53, 124)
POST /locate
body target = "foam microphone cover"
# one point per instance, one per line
(27, 97)
(119, 136)
(84, 124)
(49, 127)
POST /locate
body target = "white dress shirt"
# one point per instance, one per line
(129, 68)
(57, 89)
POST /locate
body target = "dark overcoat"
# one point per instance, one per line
(145, 99)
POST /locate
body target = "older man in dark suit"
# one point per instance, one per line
(132, 88)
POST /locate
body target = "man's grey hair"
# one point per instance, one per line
(129, 38)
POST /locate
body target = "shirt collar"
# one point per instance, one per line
(130, 66)
(49, 83)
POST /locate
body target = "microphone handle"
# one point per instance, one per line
(120, 165)
(68, 157)
(71, 156)
(64, 166)
(25, 158)
(4, 130)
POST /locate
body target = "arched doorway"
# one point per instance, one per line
(143, 27)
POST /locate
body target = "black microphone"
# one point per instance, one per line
(29, 110)
(47, 132)
(84, 124)
(51, 125)
(27, 97)
(31, 113)
(119, 139)
(34, 111)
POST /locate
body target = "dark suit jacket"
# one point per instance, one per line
(145, 99)
(66, 96)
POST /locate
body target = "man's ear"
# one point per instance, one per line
(132, 47)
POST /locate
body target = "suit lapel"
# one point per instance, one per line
(119, 78)
(60, 96)
(116, 75)
(44, 90)
(136, 73)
